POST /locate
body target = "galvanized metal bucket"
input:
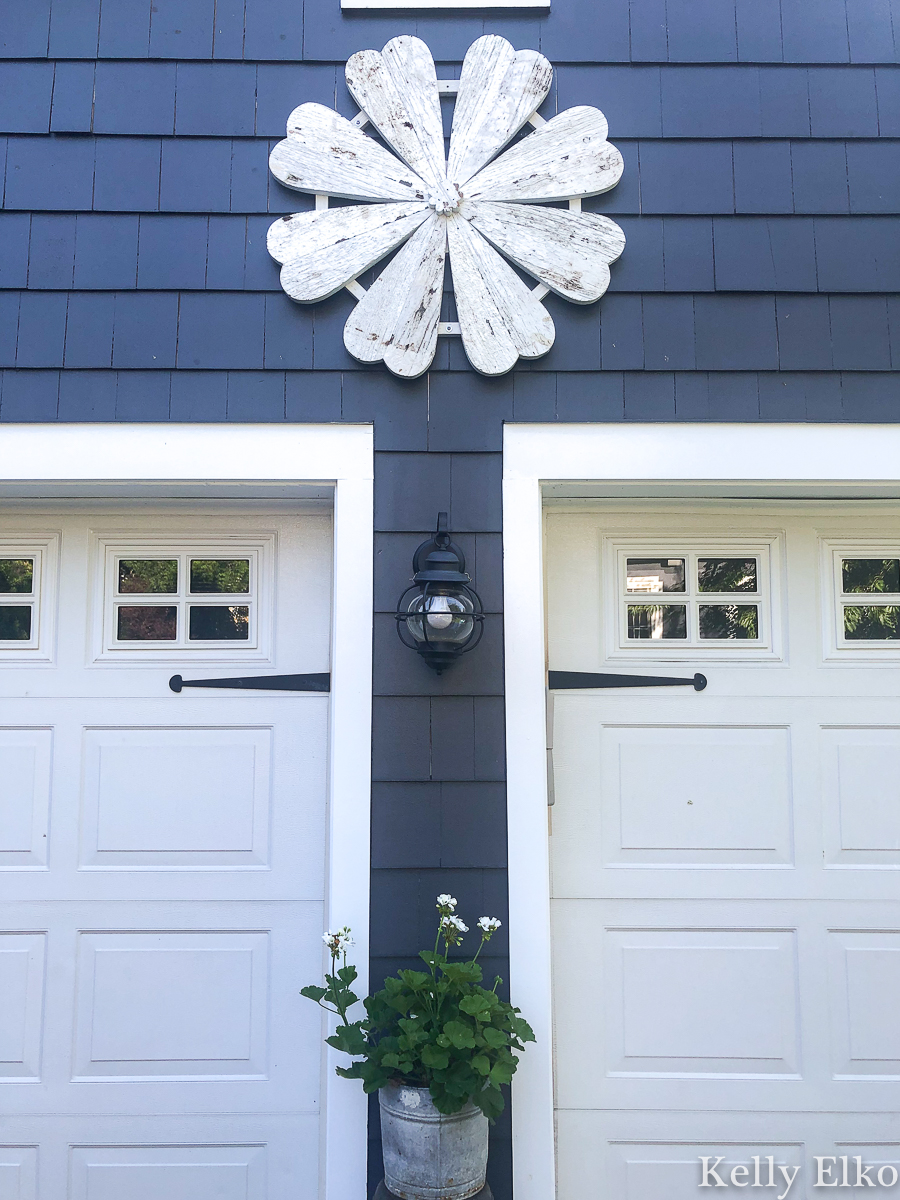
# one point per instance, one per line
(427, 1155)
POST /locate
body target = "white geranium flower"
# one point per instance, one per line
(452, 929)
(338, 942)
(488, 925)
(463, 205)
(445, 900)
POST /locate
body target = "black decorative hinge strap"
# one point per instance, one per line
(317, 682)
(566, 680)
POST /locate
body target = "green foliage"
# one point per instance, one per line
(439, 1029)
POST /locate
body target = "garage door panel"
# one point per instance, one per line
(861, 784)
(177, 797)
(25, 766)
(696, 795)
(168, 810)
(150, 1005)
(168, 1172)
(864, 971)
(724, 863)
(22, 967)
(137, 998)
(702, 1003)
(18, 1172)
(162, 856)
(175, 1158)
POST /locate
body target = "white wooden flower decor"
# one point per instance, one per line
(467, 205)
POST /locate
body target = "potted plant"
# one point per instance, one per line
(437, 1047)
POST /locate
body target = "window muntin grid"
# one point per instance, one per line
(20, 595)
(188, 598)
(868, 597)
(692, 597)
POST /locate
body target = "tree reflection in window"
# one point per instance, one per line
(729, 621)
(726, 575)
(212, 623)
(223, 575)
(145, 576)
(17, 575)
(146, 622)
(871, 575)
(872, 622)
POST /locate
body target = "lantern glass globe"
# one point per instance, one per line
(440, 616)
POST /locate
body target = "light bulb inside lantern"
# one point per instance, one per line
(439, 614)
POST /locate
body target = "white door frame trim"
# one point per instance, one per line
(82, 457)
(625, 460)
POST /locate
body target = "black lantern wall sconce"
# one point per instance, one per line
(440, 615)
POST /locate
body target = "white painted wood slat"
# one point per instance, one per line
(397, 319)
(499, 89)
(322, 250)
(325, 153)
(499, 318)
(569, 252)
(569, 156)
(397, 89)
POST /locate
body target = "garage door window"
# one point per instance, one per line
(695, 597)
(160, 598)
(866, 585)
(16, 612)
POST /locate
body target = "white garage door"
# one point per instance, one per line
(725, 862)
(162, 855)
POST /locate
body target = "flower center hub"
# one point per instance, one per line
(446, 201)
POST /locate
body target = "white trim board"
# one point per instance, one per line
(714, 460)
(215, 459)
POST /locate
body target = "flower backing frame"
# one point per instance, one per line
(480, 199)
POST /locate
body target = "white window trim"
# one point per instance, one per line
(790, 461)
(122, 460)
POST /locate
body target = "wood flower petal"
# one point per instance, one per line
(323, 152)
(397, 90)
(397, 319)
(567, 157)
(322, 251)
(569, 252)
(499, 318)
(499, 89)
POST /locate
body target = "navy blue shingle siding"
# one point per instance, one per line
(760, 282)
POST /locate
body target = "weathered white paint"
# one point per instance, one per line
(499, 89)
(568, 156)
(325, 153)
(500, 319)
(397, 90)
(397, 319)
(321, 251)
(569, 252)
(498, 93)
